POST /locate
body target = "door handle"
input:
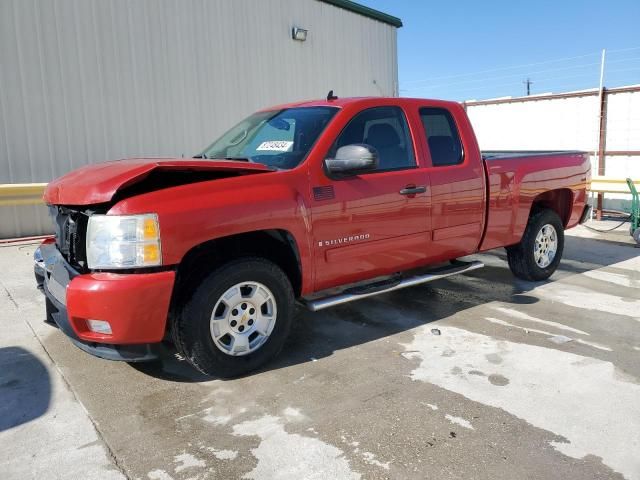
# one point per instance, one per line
(413, 189)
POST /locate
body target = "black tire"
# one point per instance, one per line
(521, 256)
(191, 326)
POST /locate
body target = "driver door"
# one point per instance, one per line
(375, 223)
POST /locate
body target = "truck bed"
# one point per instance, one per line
(516, 178)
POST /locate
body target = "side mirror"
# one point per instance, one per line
(352, 160)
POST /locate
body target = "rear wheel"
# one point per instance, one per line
(237, 319)
(538, 254)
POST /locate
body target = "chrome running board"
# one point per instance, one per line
(365, 291)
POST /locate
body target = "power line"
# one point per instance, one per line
(544, 78)
(501, 68)
(548, 82)
(545, 87)
(544, 81)
(442, 85)
(623, 70)
(622, 60)
(623, 50)
(510, 67)
(485, 79)
(578, 85)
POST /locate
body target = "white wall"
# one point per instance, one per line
(83, 81)
(539, 123)
(564, 124)
(623, 133)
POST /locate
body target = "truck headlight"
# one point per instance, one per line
(123, 241)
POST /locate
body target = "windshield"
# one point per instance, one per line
(278, 138)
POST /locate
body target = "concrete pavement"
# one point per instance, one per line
(45, 432)
(476, 376)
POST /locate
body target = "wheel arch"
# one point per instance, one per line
(559, 200)
(276, 245)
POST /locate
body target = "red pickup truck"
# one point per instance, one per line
(319, 202)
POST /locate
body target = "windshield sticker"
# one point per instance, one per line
(275, 146)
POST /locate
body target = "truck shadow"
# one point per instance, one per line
(318, 335)
(25, 387)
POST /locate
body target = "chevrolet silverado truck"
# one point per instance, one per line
(316, 203)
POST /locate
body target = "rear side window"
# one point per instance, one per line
(385, 129)
(442, 137)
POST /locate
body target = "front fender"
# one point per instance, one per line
(192, 214)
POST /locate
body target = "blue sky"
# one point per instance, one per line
(464, 49)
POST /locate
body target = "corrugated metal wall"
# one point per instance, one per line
(82, 81)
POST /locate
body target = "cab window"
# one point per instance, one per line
(442, 137)
(385, 129)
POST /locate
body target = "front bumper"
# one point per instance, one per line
(135, 305)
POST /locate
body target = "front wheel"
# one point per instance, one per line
(538, 254)
(237, 319)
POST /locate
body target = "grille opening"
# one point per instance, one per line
(70, 234)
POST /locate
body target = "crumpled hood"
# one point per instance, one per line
(99, 183)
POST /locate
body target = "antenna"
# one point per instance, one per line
(331, 96)
(528, 83)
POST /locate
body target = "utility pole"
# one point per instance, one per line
(528, 83)
(602, 134)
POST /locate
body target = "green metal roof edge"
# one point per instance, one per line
(366, 11)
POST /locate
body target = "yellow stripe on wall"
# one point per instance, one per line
(12, 194)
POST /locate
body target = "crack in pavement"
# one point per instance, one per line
(10, 296)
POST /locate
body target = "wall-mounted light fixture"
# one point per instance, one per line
(299, 34)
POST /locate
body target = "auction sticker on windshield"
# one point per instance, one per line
(275, 146)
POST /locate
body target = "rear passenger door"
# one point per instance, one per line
(457, 181)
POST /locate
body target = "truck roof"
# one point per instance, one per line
(361, 101)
